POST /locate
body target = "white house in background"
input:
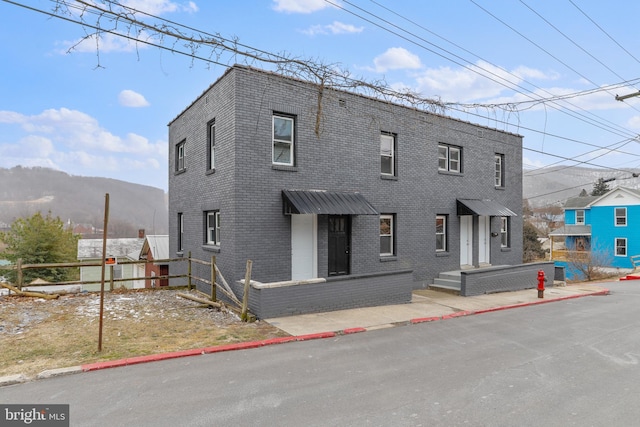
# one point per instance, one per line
(125, 249)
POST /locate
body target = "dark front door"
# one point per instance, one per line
(339, 244)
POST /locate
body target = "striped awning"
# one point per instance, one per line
(321, 202)
(482, 208)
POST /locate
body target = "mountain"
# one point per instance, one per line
(81, 200)
(552, 186)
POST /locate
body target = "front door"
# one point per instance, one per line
(339, 244)
(466, 240)
(484, 242)
(303, 247)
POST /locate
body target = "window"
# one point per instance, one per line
(180, 232)
(213, 227)
(211, 146)
(441, 233)
(504, 231)
(386, 235)
(580, 216)
(449, 158)
(621, 247)
(499, 170)
(621, 217)
(282, 140)
(180, 166)
(387, 154)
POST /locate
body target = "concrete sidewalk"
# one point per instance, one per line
(426, 305)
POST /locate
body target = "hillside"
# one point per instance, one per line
(554, 185)
(81, 200)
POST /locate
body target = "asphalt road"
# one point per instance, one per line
(566, 363)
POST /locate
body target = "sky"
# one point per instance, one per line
(99, 105)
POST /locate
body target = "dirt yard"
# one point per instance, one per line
(38, 334)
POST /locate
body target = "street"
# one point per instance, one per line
(565, 363)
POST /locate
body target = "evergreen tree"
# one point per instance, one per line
(600, 187)
(531, 248)
(40, 240)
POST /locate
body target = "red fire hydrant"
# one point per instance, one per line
(541, 280)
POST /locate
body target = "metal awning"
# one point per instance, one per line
(572, 230)
(482, 208)
(321, 202)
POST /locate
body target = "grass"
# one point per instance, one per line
(36, 334)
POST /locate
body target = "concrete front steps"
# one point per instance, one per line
(448, 281)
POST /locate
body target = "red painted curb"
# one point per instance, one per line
(315, 336)
(353, 331)
(425, 319)
(457, 314)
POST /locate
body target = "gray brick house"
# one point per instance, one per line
(353, 205)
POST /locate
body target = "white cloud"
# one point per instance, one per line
(129, 98)
(158, 7)
(335, 28)
(105, 43)
(299, 6)
(396, 58)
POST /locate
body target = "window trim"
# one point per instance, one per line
(181, 156)
(291, 143)
(499, 170)
(390, 235)
(625, 247)
(445, 241)
(622, 217)
(583, 216)
(211, 145)
(447, 158)
(392, 156)
(209, 228)
(504, 232)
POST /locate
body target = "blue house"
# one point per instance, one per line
(607, 224)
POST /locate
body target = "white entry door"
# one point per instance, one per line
(484, 236)
(466, 240)
(304, 243)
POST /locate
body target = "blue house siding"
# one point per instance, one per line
(604, 233)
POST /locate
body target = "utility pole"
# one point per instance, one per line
(623, 97)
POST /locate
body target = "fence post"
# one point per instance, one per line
(245, 297)
(111, 278)
(189, 271)
(213, 279)
(19, 278)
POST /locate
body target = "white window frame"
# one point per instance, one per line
(389, 156)
(504, 231)
(180, 231)
(450, 164)
(390, 235)
(211, 137)
(580, 216)
(282, 142)
(620, 220)
(213, 228)
(180, 156)
(443, 233)
(499, 170)
(622, 240)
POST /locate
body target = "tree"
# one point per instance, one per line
(583, 193)
(588, 263)
(40, 240)
(531, 248)
(600, 187)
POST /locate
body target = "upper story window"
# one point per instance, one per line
(449, 158)
(499, 170)
(621, 217)
(580, 216)
(180, 155)
(504, 231)
(211, 144)
(283, 144)
(213, 228)
(441, 233)
(387, 244)
(387, 154)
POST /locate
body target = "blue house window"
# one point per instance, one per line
(621, 217)
(580, 216)
(621, 247)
